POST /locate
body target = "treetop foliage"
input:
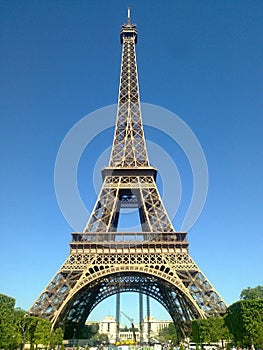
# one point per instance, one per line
(252, 293)
(18, 328)
(209, 330)
(245, 321)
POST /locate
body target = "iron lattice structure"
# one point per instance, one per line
(102, 261)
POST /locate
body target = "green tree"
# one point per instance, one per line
(218, 329)
(199, 331)
(56, 338)
(252, 293)
(169, 333)
(7, 305)
(29, 326)
(20, 330)
(210, 330)
(87, 331)
(244, 320)
(42, 333)
(100, 338)
(73, 330)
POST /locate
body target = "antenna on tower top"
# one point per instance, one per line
(129, 16)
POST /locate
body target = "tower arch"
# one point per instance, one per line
(151, 281)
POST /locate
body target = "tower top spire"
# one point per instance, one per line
(129, 16)
(128, 30)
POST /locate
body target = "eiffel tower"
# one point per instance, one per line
(103, 261)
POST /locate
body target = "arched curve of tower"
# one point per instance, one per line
(79, 305)
(131, 279)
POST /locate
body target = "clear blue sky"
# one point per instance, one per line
(60, 60)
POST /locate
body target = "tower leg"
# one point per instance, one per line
(148, 318)
(118, 296)
(141, 316)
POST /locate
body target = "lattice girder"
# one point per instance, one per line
(124, 191)
(175, 269)
(129, 148)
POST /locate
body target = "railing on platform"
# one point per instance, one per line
(122, 237)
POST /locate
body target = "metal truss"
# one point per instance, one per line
(154, 261)
(129, 192)
(129, 149)
(161, 269)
